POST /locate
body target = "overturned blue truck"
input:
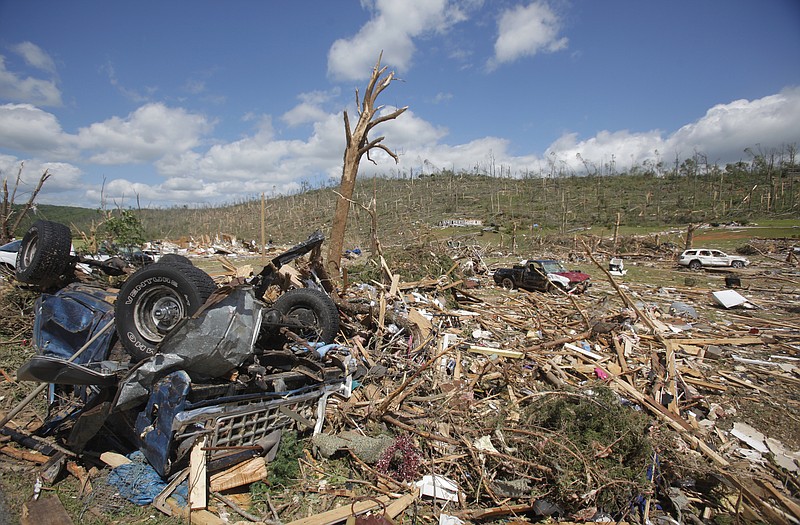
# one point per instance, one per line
(172, 357)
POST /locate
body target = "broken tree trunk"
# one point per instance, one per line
(356, 146)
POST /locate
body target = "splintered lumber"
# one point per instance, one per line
(673, 420)
(747, 340)
(396, 507)
(704, 384)
(26, 455)
(494, 512)
(745, 384)
(342, 513)
(114, 459)
(488, 350)
(242, 474)
(80, 473)
(790, 505)
(196, 517)
(198, 476)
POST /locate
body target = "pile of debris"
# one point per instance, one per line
(474, 403)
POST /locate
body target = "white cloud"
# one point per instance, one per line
(442, 97)
(36, 57)
(722, 135)
(30, 130)
(183, 169)
(134, 95)
(525, 31)
(147, 134)
(310, 108)
(726, 129)
(17, 88)
(391, 30)
(263, 161)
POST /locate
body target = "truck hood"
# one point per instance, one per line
(573, 277)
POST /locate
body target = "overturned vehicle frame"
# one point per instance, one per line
(171, 358)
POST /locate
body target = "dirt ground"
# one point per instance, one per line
(633, 335)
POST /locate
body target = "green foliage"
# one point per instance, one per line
(593, 445)
(124, 229)
(284, 469)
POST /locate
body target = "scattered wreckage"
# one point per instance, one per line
(543, 275)
(172, 357)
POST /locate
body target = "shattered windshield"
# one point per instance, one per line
(553, 267)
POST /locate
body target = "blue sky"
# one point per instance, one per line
(208, 102)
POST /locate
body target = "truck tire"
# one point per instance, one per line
(44, 253)
(152, 302)
(314, 312)
(737, 264)
(695, 265)
(174, 258)
(507, 283)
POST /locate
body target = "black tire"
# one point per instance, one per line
(507, 283)
(174, 258)
(313, 310)
(737, 264)
(152, 302)
(44, 254)
(695, 265)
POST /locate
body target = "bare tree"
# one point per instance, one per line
(7, 228)
(357, 145)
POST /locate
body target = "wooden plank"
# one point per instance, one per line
(733, 379)
(790, 505)
(623, 363)
(244, 473)
(488, 350)
(591, 355)
(46, 510)
(704, 384)
(745, 340)
(422, 322)
(672, 381)
(27, 455)
(395, 508)
(342, 513)
(113, 459)
(197, 517)
(198, 476)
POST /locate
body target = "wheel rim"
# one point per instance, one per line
(30, 250)
(157, 312)
(307, 320)
(508, 283)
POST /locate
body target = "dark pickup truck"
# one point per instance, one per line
(542, 274)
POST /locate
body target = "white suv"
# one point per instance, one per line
(699, 257)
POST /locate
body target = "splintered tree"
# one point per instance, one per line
(9, 225)
(357, 145)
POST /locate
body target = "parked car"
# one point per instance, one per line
(8, 255)
(134, 255)
(697, 258)
(172, 357)
(543, 275)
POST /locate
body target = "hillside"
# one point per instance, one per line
(407, 208)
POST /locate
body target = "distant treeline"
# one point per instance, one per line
(408, 204)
